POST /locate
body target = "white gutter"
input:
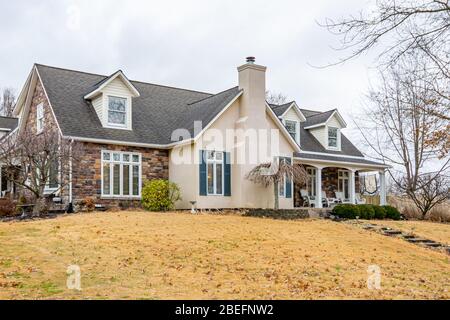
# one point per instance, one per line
(345, 162)
(332, 155)
(132, 144)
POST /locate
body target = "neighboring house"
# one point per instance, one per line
(134, 131)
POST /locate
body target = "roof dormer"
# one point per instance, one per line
(291, 118)
(326, 128)
(112, 99)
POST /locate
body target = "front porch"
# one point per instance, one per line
(328, 185)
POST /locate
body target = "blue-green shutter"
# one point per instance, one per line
(288, 182)
(202, 172)
(227, 174)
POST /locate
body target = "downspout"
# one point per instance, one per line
(70, 174)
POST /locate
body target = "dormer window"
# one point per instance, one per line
(293, 127)
(333, 138)
(117, 111)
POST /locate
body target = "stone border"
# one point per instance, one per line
(408, 237)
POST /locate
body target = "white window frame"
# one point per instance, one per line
(214, 162)
(312, 174)
(342, 177)
(40, 120)
(118, 125)
(111, 162)
(297, 129)
(47, 189)
(282, 183)
(338, 138)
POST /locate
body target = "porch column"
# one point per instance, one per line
(383, 199)
(319, 187)
(351, 186)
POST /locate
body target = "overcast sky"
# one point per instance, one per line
(189, 44)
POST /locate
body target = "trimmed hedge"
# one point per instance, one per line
(281, 214)
(380, 212)
(392, 213)
(366, 212)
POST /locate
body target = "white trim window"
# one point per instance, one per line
(333, 138)
(40, 118)
(311, 185)
(282, 184)
(292, 128)
(53, 177)
(344, 183)
(215, 173)
(117, 111)
(121, 174)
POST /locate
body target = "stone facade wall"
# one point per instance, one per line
(50, 124)
(86, 174)
(49, 120)
(86, 181)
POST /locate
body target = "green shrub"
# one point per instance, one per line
(366, 211)
(392, 213)
(346, 211)
(160, 195)
(380, 212)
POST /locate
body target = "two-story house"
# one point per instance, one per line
(207, 143)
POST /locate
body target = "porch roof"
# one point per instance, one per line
(322, 158)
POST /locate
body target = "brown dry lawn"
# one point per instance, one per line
(138, 255)
(439, 232)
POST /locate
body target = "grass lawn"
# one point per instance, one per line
(138, 255)
(439, 232)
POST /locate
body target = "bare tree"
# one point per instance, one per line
(276, 98)
(403, 28)
(397, 125)
(268, 174)
(7, 102)
(39, 163)
(433, 190)
(399, 26)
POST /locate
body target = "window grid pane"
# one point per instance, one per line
(135, 180)
(219, 178)
(106, 179)
(126, 180)
(116, 179)
(210, 178)
(117, 110)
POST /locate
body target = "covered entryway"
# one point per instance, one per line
(332, 182)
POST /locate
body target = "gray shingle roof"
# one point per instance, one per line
(334, 158)
(8, 123)
(279, 110)
(309, 143)
(318, 118)
(156, 113)
(308, 113)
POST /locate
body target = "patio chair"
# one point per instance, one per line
(326, 201)
(309, 200)
(341, 198)
(359, 199)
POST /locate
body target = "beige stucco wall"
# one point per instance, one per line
(244, 194)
